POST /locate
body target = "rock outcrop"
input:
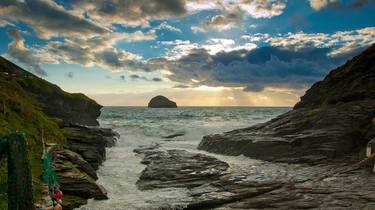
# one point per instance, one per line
(161, 102)
(90, 143)
(332, 119)
(183, 169)
(214, 184)
(70, 108)
(76, 165)
(40, 109)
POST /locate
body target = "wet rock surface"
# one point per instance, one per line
(333, 119)
(214, 184)
(171, 136)
(77, 163)
(89, 142)
(181, 168)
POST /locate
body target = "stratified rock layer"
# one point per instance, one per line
(161, 102)
(76, 165)
(182, 169)
(214, 184)
(333, 119)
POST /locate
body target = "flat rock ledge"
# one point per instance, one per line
(214, 184)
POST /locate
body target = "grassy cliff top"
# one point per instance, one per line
(33, 83)
(22, 110)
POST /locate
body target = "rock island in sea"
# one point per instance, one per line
(161, 102)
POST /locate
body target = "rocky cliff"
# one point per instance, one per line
(333, 119)
(40, 109)
(71, 108)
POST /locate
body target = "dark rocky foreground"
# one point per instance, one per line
(214, 184)
(314, 152)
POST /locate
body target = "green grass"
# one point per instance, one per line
(20, 112)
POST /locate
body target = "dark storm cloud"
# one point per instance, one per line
(138, 77)
(156, 79)
(181, 86)
(134, 76)
(254, 88)
(48, 19)
(17, 50)
(136, 12)
(255, 69)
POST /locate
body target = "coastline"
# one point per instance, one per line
(65, 123)
(309, 157)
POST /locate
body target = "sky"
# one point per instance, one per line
(195, 52)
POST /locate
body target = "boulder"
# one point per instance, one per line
(333, 119)
(161, 102)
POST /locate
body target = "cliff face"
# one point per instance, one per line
(332, 119)
(70, 108)
(38, 108)
(354, 81)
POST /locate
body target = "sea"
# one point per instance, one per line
(140, 126)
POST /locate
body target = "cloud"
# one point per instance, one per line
(320, 4)
(250, 8)
(182, 86)
(157, 79)
(339, 4)
(165, 26)
(213, 46)
(4, 23)
(232, 12)
(130, 12)
(254, 88)
(138, 77)
(292, 60)
(219, 22)
(99, 51)
(341, 43)
(48, 19)
(17, 50)
(254, 70)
